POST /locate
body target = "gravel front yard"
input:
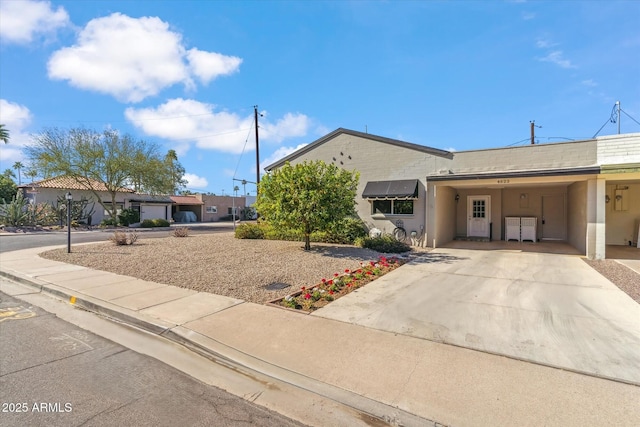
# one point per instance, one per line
(223, 265)
(620, 275)
(220, 264)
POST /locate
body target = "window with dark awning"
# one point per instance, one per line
(401, 189)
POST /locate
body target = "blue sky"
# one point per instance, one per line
(456, 75)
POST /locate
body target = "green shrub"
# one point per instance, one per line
(345, 231)
(16, 212)
(128, 216)
(108, 222)
(147, 223)
(158, 222)
(386, 244)
(249, 231)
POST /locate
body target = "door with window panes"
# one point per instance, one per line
(478, 216)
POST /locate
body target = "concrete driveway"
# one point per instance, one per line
(549, 308)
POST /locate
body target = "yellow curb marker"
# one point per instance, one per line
(72, 300)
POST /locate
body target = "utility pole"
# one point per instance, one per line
(618, 104)
(533, 131)
(255, 119)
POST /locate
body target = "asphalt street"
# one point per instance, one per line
(16, 241)
(56, 374)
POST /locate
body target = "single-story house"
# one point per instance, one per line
(50, 190)
(585, 193)
(218, 207)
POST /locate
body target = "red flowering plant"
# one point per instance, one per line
(311, 298)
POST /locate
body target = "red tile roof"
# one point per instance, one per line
(186, 200)
(69, 183)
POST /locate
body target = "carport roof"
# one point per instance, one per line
(186, 200)
(400, 189)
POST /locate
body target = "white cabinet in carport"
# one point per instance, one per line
(528, 226)
(512, 228)
(520, 228)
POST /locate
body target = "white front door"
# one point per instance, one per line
(478, 216)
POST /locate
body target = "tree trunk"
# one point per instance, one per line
(307, 238)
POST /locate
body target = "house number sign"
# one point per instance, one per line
(503, 181)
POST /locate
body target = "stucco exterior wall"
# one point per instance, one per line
(596, 226)
(443, 227)
(378, 161)
(577, 215)
(622, 223)
(222, 203)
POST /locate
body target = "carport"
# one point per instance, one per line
(187, 204)
(533, 206)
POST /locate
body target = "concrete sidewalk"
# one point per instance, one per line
(397, 378)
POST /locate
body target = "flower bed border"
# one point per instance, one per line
(353, 279)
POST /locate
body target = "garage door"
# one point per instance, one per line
(153, 212)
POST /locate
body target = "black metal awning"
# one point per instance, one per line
(401, 189)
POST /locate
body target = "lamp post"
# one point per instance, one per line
(69, 198)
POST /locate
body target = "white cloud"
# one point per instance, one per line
(280, 153)
(544, 43)
(134, 58)
(187, 120)
(195, 181)
(589, 83)
(451, 149)
(291, 125)
(209, 65)
(527, 16)
(16, 119)
(556, 57)
(23, 20)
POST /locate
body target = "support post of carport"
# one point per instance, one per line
(596, 225)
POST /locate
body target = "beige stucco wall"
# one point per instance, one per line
(577, 215)
(379, 161)
(443, 223)
(622, 224)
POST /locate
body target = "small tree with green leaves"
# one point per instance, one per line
(307, 197)
(107, 159)
(8, 188)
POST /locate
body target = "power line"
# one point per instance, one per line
(629, 116)
(243, 148)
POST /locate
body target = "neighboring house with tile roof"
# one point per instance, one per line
(584, 193)
(186, 204)
(50, 190)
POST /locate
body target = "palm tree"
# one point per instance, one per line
(31, 173)
(4, 134)
(18, 166)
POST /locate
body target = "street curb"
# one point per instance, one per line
(234, 359)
